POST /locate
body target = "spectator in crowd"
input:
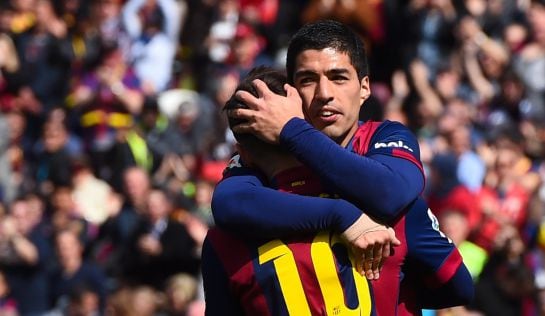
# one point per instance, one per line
(506, 285)
(107, 96)
(429, 36)
(93, 197)
(182, 144)
(247, 50)
(115, 233)
(146, 300)
(63, 215)
(505, 196)
(84, 301)
(159, 247)
(529, 64)
(9, 66)
(53, 161)
(26, 258)
(448, 192)
(75, 276)
(181, 290)
(153, 27)
(107, 14)
(44, 71)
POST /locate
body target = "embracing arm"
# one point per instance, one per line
(383, 182)
(244, 205)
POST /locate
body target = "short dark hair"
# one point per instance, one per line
(275, 80)
(327, 34)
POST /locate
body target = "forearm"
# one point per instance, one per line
(173, 14)
(131, 21)
(133, 100)
(241, 205)
(371, 184)
(476, 77)
(25, 249)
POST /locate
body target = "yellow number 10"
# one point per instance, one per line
(326, 273)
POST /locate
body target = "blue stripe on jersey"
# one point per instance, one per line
(267, 278)
(346, 276)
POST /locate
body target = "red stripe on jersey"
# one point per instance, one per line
(447, 270)
(307, 274)
(363, 136)
(403, 154)
(239, 265)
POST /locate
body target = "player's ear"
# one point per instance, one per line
(365, 89)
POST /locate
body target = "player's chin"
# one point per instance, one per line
(332, 132)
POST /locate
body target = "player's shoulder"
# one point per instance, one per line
(388, 126)
(384, 136)
(383, 129)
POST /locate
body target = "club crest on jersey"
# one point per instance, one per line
(398, 144)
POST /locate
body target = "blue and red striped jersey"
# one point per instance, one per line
(310, 274)
(381, 173)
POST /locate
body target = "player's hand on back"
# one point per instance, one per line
(371, 244)
(268, 113)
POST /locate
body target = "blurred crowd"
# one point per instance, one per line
(112, 138)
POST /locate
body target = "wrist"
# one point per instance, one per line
(361, 226)
(292, 129)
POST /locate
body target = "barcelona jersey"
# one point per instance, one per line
(381, 173)
(312, 274)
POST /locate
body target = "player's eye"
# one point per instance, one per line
(339, 78)
(305, 80)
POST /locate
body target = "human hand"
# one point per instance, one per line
(149, 245)
(419, 71)
(469, 28)
(268, 113)
(371, 244)
(8, 227)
